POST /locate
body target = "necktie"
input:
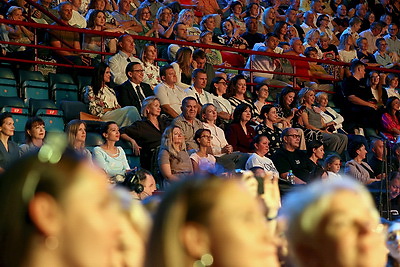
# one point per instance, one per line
(139, 94)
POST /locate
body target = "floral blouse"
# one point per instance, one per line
(106, 98)
(151, 74)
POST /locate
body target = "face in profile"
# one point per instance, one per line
(350, 233)
(393, 240)
(232, 242)
(88, 228)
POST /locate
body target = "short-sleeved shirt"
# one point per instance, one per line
(207, 163)
(257, 161)
(358, 88)
(183, 165)
(170, 96)
(296, 161)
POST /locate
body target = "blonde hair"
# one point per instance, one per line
(71, 130)
(147, 102)
(167, 142)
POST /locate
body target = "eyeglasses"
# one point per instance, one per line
(224, 83)
(138, 70)
(294, 135)
(206, 136)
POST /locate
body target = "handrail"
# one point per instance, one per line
(184, 43)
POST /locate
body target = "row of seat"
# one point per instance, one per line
(33, 85)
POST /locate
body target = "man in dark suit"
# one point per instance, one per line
(134, 90)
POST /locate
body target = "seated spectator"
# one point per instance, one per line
(154, 7)
(166, 23)
(197, 91)
(317, 72)
(332, 167)
(254, 10)
(330, 202)
(329, 115)
(392, 40)
(97, 22)
(150, 28)
(312, 120)
(260, 146)
(354, 27)
(76, 133)
(186, 16)
(262, 93)
(184, 66)
(311, 40)
(290, 158)
(220, 148)
(286, 107)
(237, 90)
(372, 35)
(170, 95)
(329, 51)
(77, 20)
(315, 153)
(104, 6)
(141, 185)
(347, 51)
(240, 134)
(134, 90)
(187, 121)
(223, 106)
(236, 9)
(375, 85)
(360, 106)
(180, 33)
(280, 29)
(308, 23)
(341, 20)
(67, 39)
(34, 135)
(18, 33)
(291, 20)
(202, 160)
(173, 160)
(383, 58)
(269, 19)
(40, 16)
(120, 60)
(111, 158)
(200, 57)
(213, 56)
(363, 54)
(356, 167)
(103, 102)
(392, 83)
(125, 19)
(151, 69)
(208, 23)
(145, 135)
(390, 119)
(376, 161)
(8, 149)
(269, 129)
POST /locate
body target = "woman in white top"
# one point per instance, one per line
(347, 51)
(151, 69)
(110, 158)
(262, 93)
(202, 160)
(258, 159)
(392, 82)
(183, 66)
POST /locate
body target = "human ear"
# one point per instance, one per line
(195, 239)
(44, 213)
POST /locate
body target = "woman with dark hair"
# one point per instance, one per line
(323, 26)
(260, 146)
(150, 28)
(76, 134)
(240, 134)
(8, 149)
(262, 93)
(315, 153)
(269, 129)
(357, 167)
(101, 5)
(103, 101)
(202, 160)
(34, 135)
(374, 83)
(184, 66)
(60, 211)
(286, 107)
(231, 36)
(280, 29)
(224, 108)
(237, 92)
(236, 9)
(392, 83)
(111, 158)
(390, 119)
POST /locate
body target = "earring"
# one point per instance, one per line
(51, 242)
(205, 260)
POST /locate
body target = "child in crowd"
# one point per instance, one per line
(332, 167)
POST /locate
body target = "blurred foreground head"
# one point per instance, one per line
(56, 211)
(334, 223)
(211, 220)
